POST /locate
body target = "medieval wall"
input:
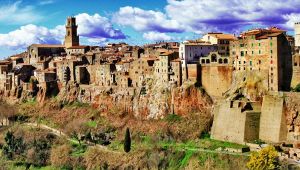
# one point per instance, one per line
(273, 126)
(228, 124)
(216, 80)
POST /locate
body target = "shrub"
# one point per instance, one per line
(39, 154)
(13, 146)
(267, 158)
(60, 157)
(127, 141)
(173, 118)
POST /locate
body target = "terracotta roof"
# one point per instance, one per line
(78, 47)
(48, 45)
(167, 53)
(176, 60)
(223, 36)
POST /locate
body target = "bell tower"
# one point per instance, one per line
(71, 38)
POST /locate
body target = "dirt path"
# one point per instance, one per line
(62, 134)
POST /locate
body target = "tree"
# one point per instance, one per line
(14, 146)
(39, 154)
(267, 158)
(127, 141)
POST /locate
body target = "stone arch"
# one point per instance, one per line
(220, 61)
(67, 74)
(225, 60)
(213, 58)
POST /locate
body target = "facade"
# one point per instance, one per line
(297, 34)
(267, 52)
(221, 40)
(190, 52)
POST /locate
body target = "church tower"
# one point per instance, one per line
(71, 38)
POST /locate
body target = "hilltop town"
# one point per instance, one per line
(249, 80)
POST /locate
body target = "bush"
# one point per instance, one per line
(127, 141)
(267, 158)
(13, 146)
(39, 154)
(173, 118)
(60, 157)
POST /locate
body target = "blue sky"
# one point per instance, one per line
(23, 22)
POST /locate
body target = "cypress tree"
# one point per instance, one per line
(127, 141)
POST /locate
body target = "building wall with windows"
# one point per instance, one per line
(265, 51)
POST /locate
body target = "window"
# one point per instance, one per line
(241, 45)
(250, 63)
(258, 44)
(252, 52)
(271, 43)
(242, 53)
(252, 45)
(259, 51)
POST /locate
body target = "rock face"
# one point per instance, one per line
(154, 100)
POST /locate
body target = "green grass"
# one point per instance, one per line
(173, 118)
(186, 158)
(91, 124)
(78, 150)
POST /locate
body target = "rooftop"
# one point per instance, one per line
(47, 45)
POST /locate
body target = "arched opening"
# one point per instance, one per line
(67, 74)
(69, 33)
(203, 61)
(225, 60)
(220, 61)
(207, 61)
(213, 58)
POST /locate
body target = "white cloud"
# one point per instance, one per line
(156, 36)
(46, 2)
(29, 34)
(143, 20)
(17, 13)
(228, 15)
(94, 28)
(291, 19)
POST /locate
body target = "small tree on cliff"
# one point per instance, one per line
(127, 141)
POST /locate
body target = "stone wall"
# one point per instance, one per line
(273, 126)
(216, 80)
(234, 124)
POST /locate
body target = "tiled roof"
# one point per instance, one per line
(48, 45)
(78, 47)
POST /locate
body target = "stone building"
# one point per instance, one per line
(296, 71)
(221, 40)
(141, 69)
(190, 52)
(267, 52)
(71, 38)
(39, 55)
(105, 76)
(297, 34)
(216, 74)
(163, 68)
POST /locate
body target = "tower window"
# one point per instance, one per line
(69, 33)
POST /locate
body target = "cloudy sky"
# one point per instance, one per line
(24, 22)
